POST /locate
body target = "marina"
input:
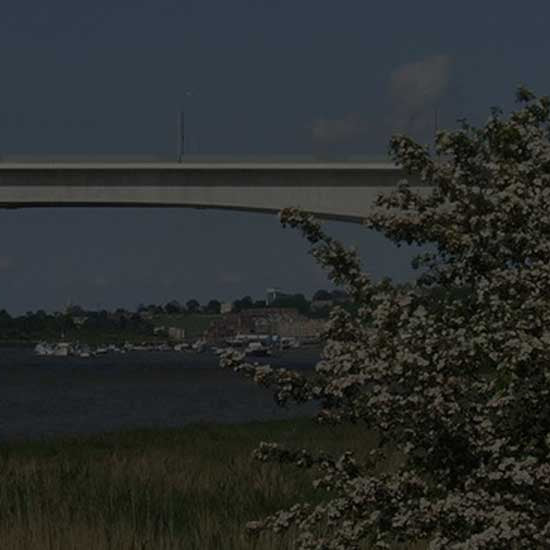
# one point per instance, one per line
(260, 345)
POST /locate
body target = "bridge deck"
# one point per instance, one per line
(332, 190)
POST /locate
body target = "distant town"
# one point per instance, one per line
(282, 320)
(279, 321)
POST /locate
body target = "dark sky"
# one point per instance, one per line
(266, 78)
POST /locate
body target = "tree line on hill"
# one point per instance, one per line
(43, 326)
(76, 318)
(297, 301)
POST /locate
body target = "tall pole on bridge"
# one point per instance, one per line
(181, 135)
(181, 129)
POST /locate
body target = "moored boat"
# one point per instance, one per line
(43, 348)
(62, 349)
(257, 349)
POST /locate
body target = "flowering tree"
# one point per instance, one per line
(460, 386)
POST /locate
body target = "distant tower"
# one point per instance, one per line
(272, 294)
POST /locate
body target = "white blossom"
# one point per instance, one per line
(477, 468)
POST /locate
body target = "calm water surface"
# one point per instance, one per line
(41, 397)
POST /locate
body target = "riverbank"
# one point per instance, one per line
(192, 488)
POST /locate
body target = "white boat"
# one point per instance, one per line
(62, 349)
(43, 348)
(238, 342)
(257, 349)
(182, 347)
(289, 342)
(83, 351)
(199, 346)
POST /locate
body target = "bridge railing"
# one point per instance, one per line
(10, 158)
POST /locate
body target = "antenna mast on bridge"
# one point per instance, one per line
(181, 128)
(181, 135)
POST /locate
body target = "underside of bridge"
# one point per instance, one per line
(346, 192)
(243, 209)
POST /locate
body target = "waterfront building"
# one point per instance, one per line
(226, 307)
(270, 321)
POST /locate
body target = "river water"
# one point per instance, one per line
(43, 397)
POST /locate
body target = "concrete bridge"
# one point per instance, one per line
(330, 190)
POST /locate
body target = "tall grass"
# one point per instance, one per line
(192, 488)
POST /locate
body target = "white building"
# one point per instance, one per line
(176, 333)
(226, 307)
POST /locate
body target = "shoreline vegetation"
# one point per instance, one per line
(99, 328)
(192, 488)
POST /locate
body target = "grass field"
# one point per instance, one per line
(193, 488)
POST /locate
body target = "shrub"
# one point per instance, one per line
(459, 386)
